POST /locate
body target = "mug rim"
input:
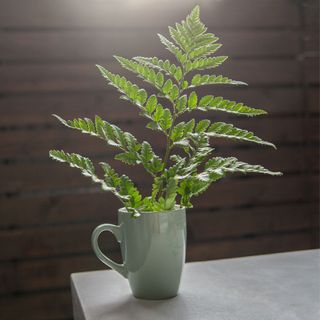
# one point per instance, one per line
(176, 209)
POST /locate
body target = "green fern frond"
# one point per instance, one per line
(165, 66)
(191, 38)
(204, 51)
(206, 63)
(77, 161)
(220, 166)
(133, 151)
(227, 130)
(191, 173)
(202, 80)
(123, 188)
(144, 72)
(129, 90)
(217, 130)
(210, 102)
(216, 169)
(181, 57)
(110, 133)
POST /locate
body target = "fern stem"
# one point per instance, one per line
(175, 116)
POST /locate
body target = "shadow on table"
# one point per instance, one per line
(178, 307)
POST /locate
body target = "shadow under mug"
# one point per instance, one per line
(153, 250)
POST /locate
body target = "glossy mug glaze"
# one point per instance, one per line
(153, 249)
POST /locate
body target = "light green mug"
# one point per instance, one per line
(153, 249)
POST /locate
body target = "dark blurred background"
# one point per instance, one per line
(47, 54)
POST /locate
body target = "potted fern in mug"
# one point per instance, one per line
(152, 229)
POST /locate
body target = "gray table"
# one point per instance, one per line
(281, 286)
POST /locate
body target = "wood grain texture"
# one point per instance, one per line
(126, 14)
(47, 211)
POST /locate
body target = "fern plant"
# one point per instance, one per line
(177, 177)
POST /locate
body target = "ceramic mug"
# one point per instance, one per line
(153, 249)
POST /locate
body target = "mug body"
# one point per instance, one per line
(153, 249)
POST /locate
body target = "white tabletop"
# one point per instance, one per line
(282, 286)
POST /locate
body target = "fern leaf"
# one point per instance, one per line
(143, 71)
(181, 37)
(151, 104)
(220, 166)
(111, 178)
(77, 161)
(192, 100)
(166, 120)
(182, 58)
(202, 125)
(187, 33)
(193, 48)
(130, 191)
(205, 50)
(168, 89)
(150, 160)
(191, 37)
(123, 188)
(200, 150)
(134, 152)
(226, 130)
(161, 119)
(128, 157)
(165, 66)
(210, 102)
(207, 63)
(191, 186)
(193, 23)
(181, 104)
(170, 194)
(215, 169)
(201, 80)
(112, 134)
(178, 132)
(129, 90)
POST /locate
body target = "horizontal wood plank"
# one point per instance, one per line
(48, 242)
(57, 209)
(252, 246)
(39, 275)
(310, 10)
(311, 69)
(45, 306)
(252, 221)
(248, 192)
(128, 14)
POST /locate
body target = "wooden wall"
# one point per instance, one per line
(47, 211)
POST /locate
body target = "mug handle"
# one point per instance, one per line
(121, 268)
